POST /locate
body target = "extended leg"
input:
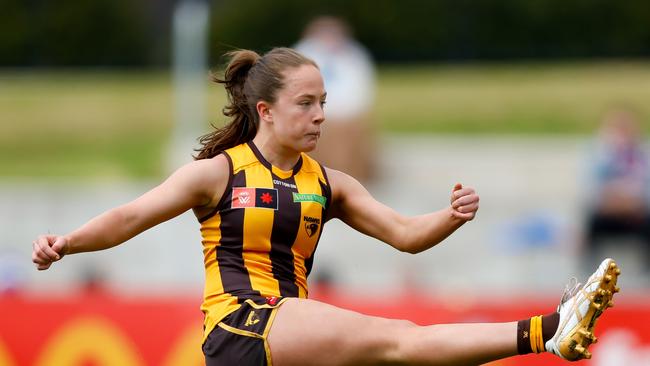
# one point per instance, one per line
(307, 332)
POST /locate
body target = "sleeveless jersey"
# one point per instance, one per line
(260, 239)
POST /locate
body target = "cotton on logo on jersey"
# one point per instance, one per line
(244, 197)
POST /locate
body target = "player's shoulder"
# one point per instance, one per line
(338, 175)
(207, 171)
(218, 163)
(342, 184)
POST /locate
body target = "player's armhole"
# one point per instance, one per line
(225, 193)
(327, 191)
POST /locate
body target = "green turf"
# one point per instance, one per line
(109, 124)
(84, 124)
(523, 98)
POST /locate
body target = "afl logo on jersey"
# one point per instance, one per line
(311, 225)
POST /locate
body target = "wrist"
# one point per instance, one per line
(454, 217)
(68, 247)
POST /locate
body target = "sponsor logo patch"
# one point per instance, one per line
(311, 225)
(244, 197)
(309, 197)
(284, 184)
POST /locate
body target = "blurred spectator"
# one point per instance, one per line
(93, 280)
(12, 276)
(620, 186)
(346, 141)
(322, 283)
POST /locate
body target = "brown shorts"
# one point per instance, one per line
(241, 337)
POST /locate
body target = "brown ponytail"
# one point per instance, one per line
(248, 78)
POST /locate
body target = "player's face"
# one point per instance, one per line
(298, 110)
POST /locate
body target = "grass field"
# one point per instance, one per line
(520, 98)
(114, 125)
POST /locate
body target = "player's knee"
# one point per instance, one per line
(395, 342)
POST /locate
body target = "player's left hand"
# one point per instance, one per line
(464, 202)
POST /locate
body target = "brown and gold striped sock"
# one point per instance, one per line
(533, 333)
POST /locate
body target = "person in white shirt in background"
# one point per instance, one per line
(347, 141)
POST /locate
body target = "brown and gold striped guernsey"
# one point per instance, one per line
(260, 239)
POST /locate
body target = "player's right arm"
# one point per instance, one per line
(197, 185)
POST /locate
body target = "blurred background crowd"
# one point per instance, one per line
(542, 106)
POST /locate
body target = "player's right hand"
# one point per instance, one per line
(47, 249)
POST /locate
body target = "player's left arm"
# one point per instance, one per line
(355, 206)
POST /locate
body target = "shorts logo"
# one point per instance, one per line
(244, 197)
(311, 225)
(252, 319)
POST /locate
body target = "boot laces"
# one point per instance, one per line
(570, 290)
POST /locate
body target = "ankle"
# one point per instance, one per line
(533, 333)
